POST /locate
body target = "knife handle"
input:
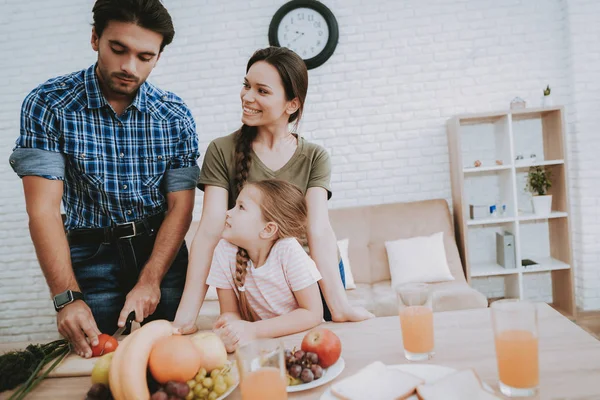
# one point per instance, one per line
(129, 320)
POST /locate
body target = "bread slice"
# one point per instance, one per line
(376, 381)
(460, 385)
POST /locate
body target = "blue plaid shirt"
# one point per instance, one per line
(115, 169)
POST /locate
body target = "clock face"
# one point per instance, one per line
(304, 31)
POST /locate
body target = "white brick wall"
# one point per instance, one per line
(584, 122)
(379, 105)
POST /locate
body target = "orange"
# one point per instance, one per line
(174, 358)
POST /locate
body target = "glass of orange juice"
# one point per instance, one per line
(416, 320)
(261, 364)
(516, 337)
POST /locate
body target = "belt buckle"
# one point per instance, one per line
(132, 223)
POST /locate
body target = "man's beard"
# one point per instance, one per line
(110, 79)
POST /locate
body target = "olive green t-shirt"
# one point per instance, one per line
(308, 167)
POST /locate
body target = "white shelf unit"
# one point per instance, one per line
(537, 138)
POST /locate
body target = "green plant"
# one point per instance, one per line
(538, 181)
(547, 91)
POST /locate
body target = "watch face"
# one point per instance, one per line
(62, 299)
(304, 31)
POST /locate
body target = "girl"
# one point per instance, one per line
(266, 283)
(272, 96)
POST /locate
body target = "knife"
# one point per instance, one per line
(127, 325)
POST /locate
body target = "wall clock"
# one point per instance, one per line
(306, 27)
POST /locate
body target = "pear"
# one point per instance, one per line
(101, 368)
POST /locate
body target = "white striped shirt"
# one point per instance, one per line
(269, 288)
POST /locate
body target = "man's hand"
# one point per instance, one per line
(142, 299)
(75, 321)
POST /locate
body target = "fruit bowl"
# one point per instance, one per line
(329, 374)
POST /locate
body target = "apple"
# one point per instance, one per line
(325, 344)
(212, 350)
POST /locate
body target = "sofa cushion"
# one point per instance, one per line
(447, 296)
(362, 296)
(418, 259)
(369, 227)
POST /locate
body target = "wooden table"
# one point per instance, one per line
(569, 356)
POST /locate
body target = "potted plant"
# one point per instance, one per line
(538, 183)
(547, 98)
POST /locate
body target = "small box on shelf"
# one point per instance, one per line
(505, 250)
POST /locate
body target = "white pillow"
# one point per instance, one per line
(418, 259)
(343, 246)
(211, 294)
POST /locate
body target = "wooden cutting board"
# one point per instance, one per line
(74, 365)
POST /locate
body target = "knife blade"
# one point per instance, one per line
(127, 325)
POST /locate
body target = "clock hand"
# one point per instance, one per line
(297, 37)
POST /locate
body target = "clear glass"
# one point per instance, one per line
(515, 327)
(261, 365)
(416, 320)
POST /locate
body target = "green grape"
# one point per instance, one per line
(215, 372)
(198, 390)
(219, 379)
(220, 388)
(212, 396)
(203, 393)
(208, 383)
(200, 375)
(190, 395)
(191, 384)
(229, 380)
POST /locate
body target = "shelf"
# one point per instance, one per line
(481, 118)
(490, 221)
(531, 113)
(472, 170)
(491, 269)
(544, 264)
(519, 165)
(532, 217)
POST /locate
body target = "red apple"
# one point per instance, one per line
(325, 344)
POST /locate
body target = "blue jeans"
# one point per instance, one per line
(326, 310)
(107, 272)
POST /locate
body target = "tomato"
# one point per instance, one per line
(106, 344)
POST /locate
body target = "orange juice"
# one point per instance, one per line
(417, 329)
(264, 384)
(517, 355)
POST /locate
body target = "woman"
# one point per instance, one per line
(273, 95)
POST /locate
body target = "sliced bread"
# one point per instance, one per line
(376, 381)
(460, 385)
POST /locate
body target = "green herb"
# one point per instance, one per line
(538, 180)
(23, 367)
(547, 91)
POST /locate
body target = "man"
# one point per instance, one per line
(121, 153)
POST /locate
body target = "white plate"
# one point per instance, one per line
(429, 373)
(234, 373)
(329, 374)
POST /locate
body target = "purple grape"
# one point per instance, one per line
(295, 371)
(317, 371)
(160, 395)
(299, 354)
(313, 358)
(291, 361)
(307, 376)
(178, 389)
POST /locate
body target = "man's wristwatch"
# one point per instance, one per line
(65, 298)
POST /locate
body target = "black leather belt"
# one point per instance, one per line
(111, 234)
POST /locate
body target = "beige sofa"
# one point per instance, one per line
(367, 228)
